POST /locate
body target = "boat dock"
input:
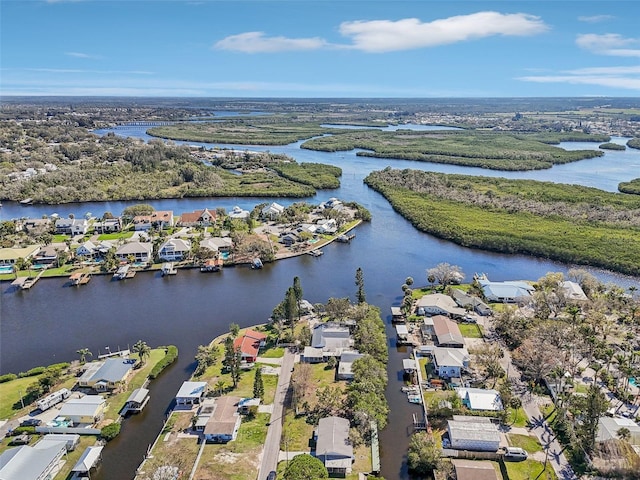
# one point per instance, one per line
(80, 278)
(212, 265)
(25, 283)
(346, 238)
(124, 272)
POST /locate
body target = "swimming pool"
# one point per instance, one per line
(6, 269)
(632, 381)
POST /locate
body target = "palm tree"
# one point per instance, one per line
(624, 434)
(83, 352)
(220, 386)
(143, 350)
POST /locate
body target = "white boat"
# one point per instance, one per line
(315, 253)
(168, 269)
(256, 263)
(413, 398)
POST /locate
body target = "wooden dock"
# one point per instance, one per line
(80, 278)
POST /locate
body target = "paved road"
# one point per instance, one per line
(540, 427)
(272, 443)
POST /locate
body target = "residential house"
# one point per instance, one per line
(473, 433)
(249, 344)
(608, 428)
(474, 470)
(463, 300)
(217, 244)
(159, 220)
(450, 362)
(48, 254)
(205, 411)
(198, 218)
(345, 366)
(223, 425)
(106, 375)
(332, 203)
(333, 448)
(446, 332)
(239, 213)
(72, 226)
(89, 249)
(42, 461)
(36, 226)
(140, 251)
(86, 410)
(272, 211)
(505, 292)
(9, 256)
(108, 225)
(332, 338)
(439, 304)
(480, 399)
(312, 355)
(175, 249)
(326, 225)
(191, 393)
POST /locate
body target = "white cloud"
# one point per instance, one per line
(411, 33)
(80, 55)
(100, 72)
(595, 18)
(611, 44)
(258, 42)
(603, 81)
(606, 71)
(379, 36)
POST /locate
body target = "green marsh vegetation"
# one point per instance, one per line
(632, 186)
(612, 146)
(493, 150)
(569, 223)
(634, 143)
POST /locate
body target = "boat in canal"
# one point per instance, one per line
(168, 268)
(256, 263)
(315, 253)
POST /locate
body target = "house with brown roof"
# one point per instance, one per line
(223, 424)
(446, 332)
(474, 470)
(159, 219)
(249, 344)
(202, 218)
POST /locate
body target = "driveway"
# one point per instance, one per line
(271, 449)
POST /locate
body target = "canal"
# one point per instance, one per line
(50, 322)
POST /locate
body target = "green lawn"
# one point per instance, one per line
(10, 395)
(115, 236)
(528, 470)
(273, 353)
(470, 330)
(297, 432)
(528, 442)
(517, 418)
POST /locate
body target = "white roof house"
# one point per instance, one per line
(511, 291)
(331, 337)
(449, 362)
(105, 375)
(141, 251)
(273, 211)
(32, 463)
(87, 409)
(473, 433)
(332, 447)
(480, 399)
(238, 212)
(608, 429)
(438, 304)
(345, 366)
(174, 249)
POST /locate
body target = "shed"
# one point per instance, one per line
(71, 440)
(90, 459)
(191, 393)
(409, 365)
(137, 400)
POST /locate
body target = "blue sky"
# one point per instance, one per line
(320, 48)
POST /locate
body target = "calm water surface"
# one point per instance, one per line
(49, 323)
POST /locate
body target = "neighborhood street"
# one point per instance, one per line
(271, 449)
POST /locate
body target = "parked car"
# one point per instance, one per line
(22, 439)
(272, 475)
(31, 422)
(515, 454)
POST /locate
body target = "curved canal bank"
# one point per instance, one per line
(49, 323)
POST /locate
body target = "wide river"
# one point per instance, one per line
(50, 322)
